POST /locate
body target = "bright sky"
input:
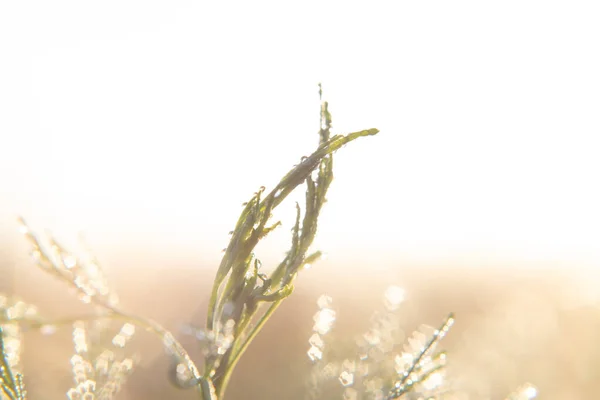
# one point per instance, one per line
(152, 121)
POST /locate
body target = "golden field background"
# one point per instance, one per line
(515, 324)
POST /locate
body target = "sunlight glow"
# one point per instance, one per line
(149, 130)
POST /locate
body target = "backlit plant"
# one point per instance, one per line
(243, 298)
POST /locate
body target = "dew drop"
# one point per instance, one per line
(23, 228)
(19, 309)
(80, 378)
(76, 359)
(30, 311)
(433, 381)
(324, 320)
(314, 353)
(79, 338)
(73, 394)
(183, 376)
(89, 386)
(168, 340)
(128, 329)
(127, 364)
(526, 392)
(531, 392)
(346, 378)
(79, 368)
(70, 261)
(119, 340)
(394, 295)
(316, 341)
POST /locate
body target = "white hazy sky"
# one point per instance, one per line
(152, 121)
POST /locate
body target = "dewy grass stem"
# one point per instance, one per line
(239, 286)
(236, 356)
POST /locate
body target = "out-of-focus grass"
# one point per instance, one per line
(512, 326)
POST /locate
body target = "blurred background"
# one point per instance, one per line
(146, 124)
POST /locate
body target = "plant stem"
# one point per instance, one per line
(221, 385)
